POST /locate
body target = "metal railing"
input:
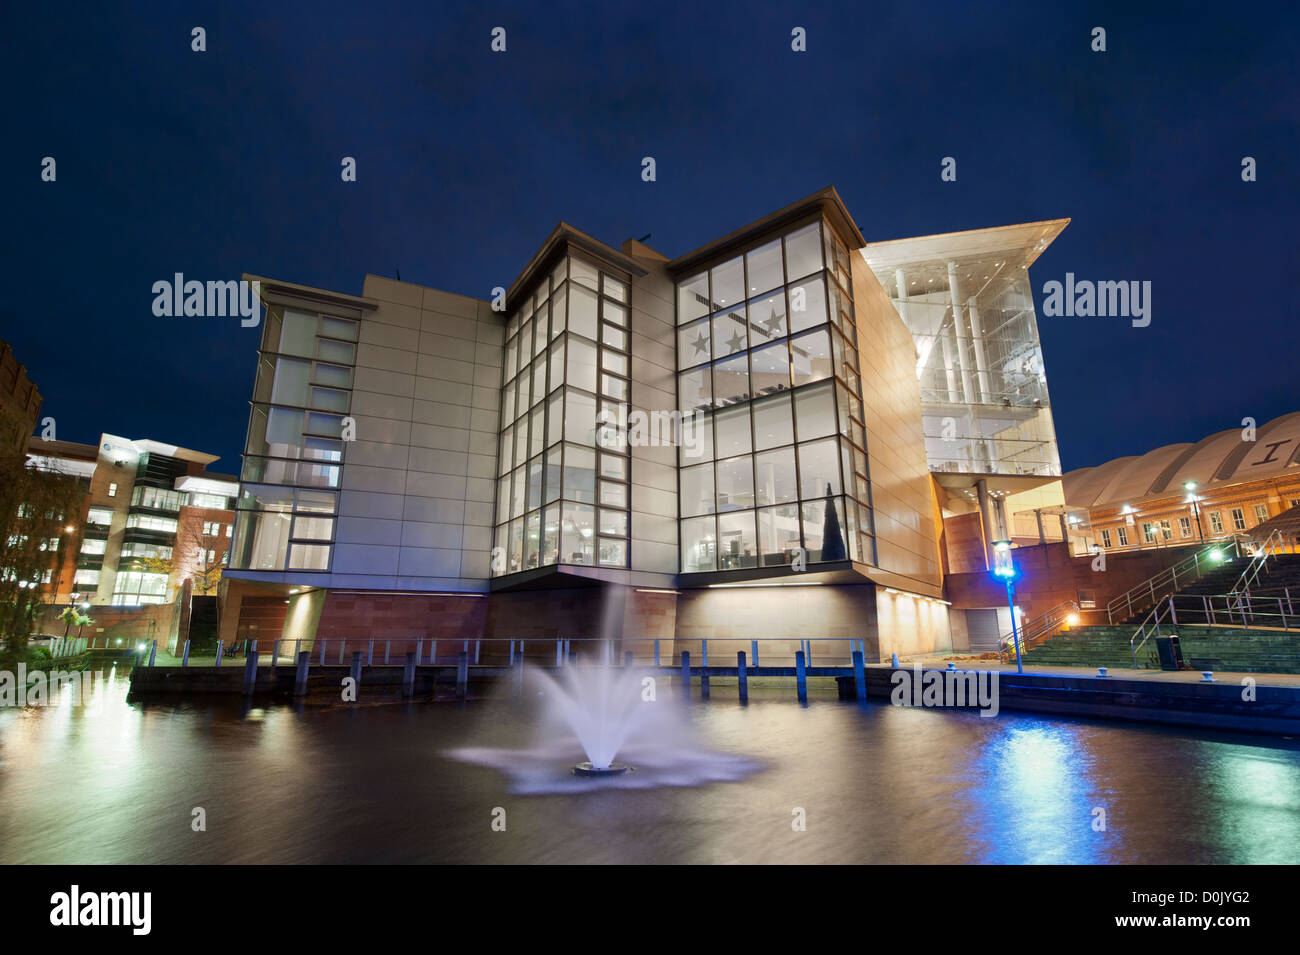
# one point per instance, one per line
(1151, 591)
(1239, 610)
(504, 651)
(1258, 563)
(1037, 629)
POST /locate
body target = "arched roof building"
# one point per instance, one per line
(1217, 461)
(1226, 483)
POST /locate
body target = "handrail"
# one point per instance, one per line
(1257, 562)
(1153, 588)
(1038, 629)
(1247, 608)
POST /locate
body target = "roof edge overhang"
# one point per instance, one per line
(826, 202)
(272, 290)
(563, 237)
(1031, 238)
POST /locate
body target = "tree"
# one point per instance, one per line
(832, 536)
(35, 505)
(69, 616)
(201, 555)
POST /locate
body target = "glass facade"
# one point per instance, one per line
(984, 402)
(294, 454)
(767, 352)
(562, 467)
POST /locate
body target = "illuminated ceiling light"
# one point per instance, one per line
(811, 583)
(655, 590)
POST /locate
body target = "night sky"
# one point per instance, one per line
(228, 161)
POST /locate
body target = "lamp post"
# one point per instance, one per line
(70, 614)
(1190, 488)
(1004, 566)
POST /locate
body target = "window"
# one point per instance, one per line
(137, 549)
(157, 498)
(693, 298)
(810, 357)
(697, 490)
(1238, 519)
(131, 588)
(1148, 533)
(803, 251)
(778, 534)
(87, 577)
(1261, 513)
(737, 541)
(735, 479)
(1185, 527)
(148, 522)
(1105, 538)
(732, 427)
(112, 490)
(101, 516)
(763, 268)
(814, 411)
(309, 557)
(788, 435)
(1216, 522)
(1166, 532)
(563, 437)
(214, 501)
(1121, 535)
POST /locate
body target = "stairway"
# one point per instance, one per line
(1204, 648)
(1281, 574)
(1229, 645)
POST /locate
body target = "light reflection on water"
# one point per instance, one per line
(116, 782)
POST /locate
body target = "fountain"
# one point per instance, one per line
(585, 716)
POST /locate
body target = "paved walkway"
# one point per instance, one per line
(1118, 673)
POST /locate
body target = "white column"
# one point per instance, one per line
(946, 340)
(901, 281)
(977, 339)
(959, 328)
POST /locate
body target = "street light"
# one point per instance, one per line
(1190, 488)
(1004, 566)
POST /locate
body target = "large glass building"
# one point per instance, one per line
(985, 411)
(735, 442)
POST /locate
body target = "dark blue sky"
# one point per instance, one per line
(227, 161)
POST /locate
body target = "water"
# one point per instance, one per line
(117, 782)
(596, 714)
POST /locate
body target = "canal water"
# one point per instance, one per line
(119, 782)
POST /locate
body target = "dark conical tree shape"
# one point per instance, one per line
(832, 536)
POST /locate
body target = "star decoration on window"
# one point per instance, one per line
(735, 343)
(774, 323)
(701, 344)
